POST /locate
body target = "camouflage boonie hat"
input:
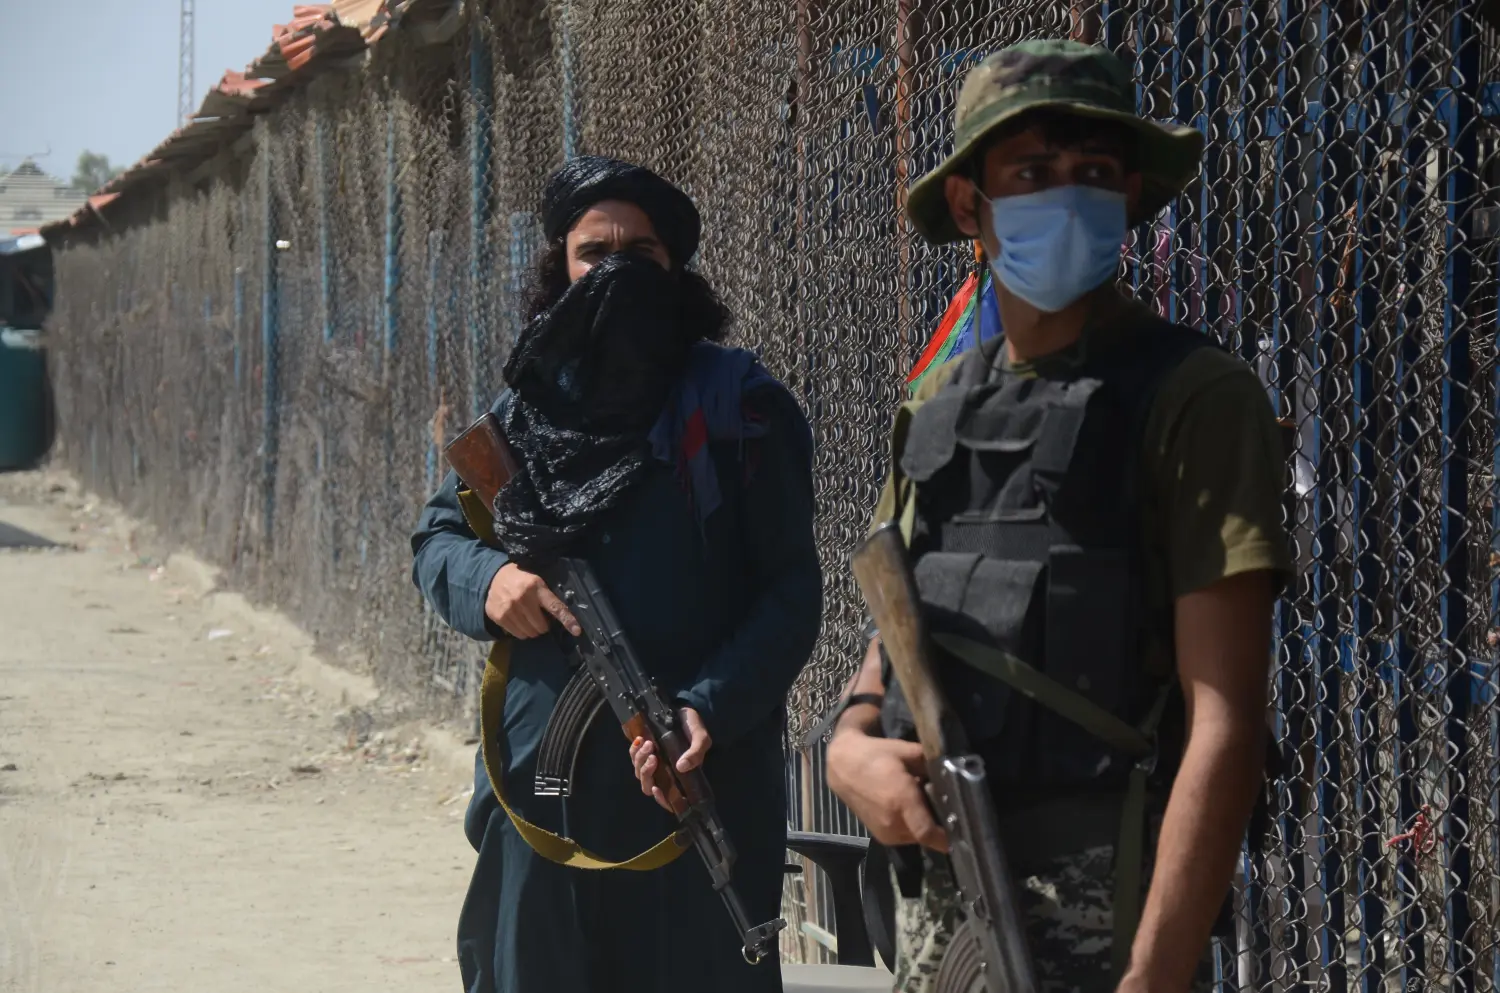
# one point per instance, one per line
(1060, 75)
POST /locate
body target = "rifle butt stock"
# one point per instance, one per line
(482, 458)
(884, 577)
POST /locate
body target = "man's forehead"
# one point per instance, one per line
(606, 216)
(1041, 139)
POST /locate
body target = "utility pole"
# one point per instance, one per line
(185, 64)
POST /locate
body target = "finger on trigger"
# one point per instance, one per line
(923, 828)
(554, 606)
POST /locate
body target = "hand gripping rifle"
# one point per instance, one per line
(610, 672)
(990, 948)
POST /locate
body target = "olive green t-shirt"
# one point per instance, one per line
(1213, 464)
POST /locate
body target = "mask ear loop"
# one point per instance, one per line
(981, 256)
(975, 170)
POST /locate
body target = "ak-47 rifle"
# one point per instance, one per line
(997, 959)
(611, 672)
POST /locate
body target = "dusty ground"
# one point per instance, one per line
(188, 799)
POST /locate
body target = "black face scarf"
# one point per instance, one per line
(588, 378)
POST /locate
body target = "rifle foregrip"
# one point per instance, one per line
(664, 778)
(694, 784)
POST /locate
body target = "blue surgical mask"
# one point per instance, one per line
(1058, 244)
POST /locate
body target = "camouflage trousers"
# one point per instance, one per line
(1069, 925)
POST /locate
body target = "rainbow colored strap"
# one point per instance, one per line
(973, 304)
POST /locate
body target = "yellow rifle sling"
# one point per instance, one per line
(552, 847)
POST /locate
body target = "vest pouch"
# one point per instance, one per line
(988, 600)
(930, 435)
(1090, 627)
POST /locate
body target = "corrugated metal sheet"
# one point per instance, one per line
(316, 35)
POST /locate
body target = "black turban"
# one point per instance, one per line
(590, 179)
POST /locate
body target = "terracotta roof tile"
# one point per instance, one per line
(334, 30)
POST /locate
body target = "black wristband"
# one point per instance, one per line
(812, 738)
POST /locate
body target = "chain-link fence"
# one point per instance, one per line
(264, 350)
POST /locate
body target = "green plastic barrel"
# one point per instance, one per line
(26, 415)
(26, 291)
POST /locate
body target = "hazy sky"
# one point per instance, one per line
(102, 74)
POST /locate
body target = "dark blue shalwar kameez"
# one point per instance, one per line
(724, 612)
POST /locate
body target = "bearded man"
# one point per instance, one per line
(682, 471)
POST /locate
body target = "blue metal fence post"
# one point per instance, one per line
(1216, 58)
(327, 312)
(325, 226)
(1410, 662)
(390, 303)
(1112, 26)
(1330, 648)
(1248, 225)
(1372, 661)
(1185, 37)
(1148, 62)
(1286, 349)
(239, 326)
(270, 339)
(434, 253)
(522, 225)
(1250, 238)
(481, 98)
(569, 92)
(1493, 660)
(1457, 112)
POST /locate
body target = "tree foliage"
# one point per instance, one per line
(93, 171)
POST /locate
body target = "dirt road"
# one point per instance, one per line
(188, 800)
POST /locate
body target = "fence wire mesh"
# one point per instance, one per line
(266, 356)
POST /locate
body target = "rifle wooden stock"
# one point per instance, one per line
(482, 458)
(668, 750)
(957, 786)
(884, 577)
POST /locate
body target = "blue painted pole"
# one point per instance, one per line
(1291, 683)
(481, 94)
(1112, 25)
(239, 326)
(1330, 650)
(569, 84)
(1373, 659)
(1411, 193)
(325, 227)
(1457, 112)
(1286, 302)
(521, 226)
(1148, 64)
(270, 342)
(390, 302)
(1250, 235)
(1492, 659)
(1216, 59)
(1249, 223)
(1185, 34)
(1250, 239)
(434, 253)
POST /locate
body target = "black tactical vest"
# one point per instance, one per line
(1027, 537)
